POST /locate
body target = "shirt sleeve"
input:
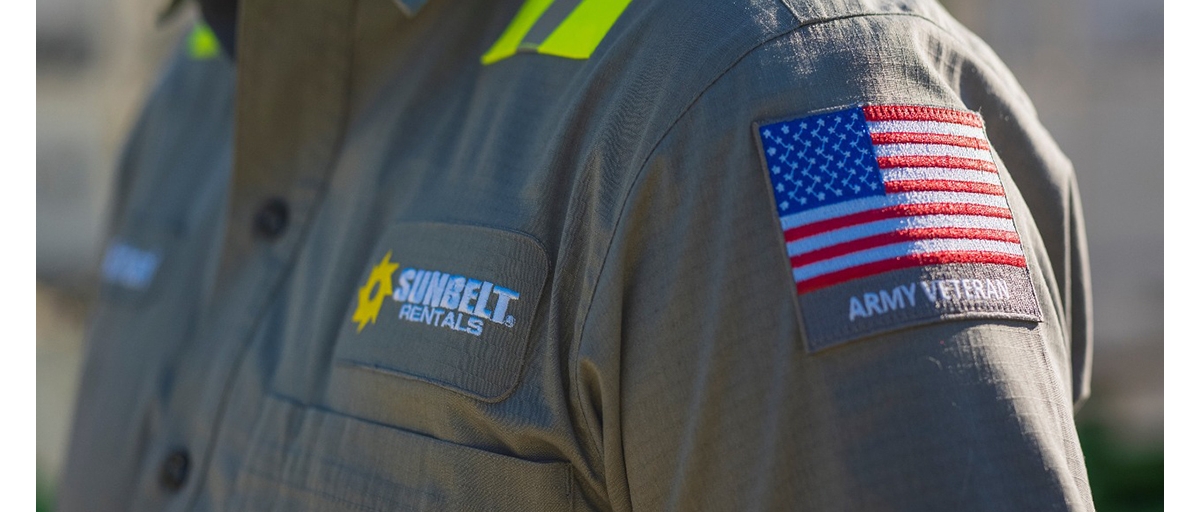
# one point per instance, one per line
(697, 360)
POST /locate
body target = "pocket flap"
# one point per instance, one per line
(447, 304)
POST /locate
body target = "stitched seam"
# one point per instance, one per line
(808, 22)
(577, 344)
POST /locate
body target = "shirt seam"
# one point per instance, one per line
(577, 344)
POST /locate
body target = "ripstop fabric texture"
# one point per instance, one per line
(656, 355)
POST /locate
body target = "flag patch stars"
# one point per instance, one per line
(876, 198)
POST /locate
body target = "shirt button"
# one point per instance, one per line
(271, 219)
(174, 470)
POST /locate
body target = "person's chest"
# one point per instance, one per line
(390, 325)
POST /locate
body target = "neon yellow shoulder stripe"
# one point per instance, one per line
(506, 46)
(576, 37)
(202, 43)
(583, 30)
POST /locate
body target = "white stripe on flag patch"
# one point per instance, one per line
(903, 249)
(879, 227)
(940, 173)
(875, 202)
(932, 150)
(926, 127)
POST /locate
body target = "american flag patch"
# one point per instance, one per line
(871, 190)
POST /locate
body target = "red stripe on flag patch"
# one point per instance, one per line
(943, 186)
(891, 212)
(927, 138)
(917, 113)
(891, 162)
(908, 261)
(902, 235)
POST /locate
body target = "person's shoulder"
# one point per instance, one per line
(704, 74)
(679, 28)
(686, 46)
(802, 56)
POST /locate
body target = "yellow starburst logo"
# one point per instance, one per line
(379, 282)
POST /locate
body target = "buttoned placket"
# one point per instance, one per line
(293, 63)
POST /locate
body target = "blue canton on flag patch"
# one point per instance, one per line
(820, 160)
(894, 215)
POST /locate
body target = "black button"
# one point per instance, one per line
(271, 219)
(174, 470)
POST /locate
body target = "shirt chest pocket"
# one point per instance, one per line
(446, 305)
(308, 459)
(436, 333)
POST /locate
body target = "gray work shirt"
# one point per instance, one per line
(375, 270)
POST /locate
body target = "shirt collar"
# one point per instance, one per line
(410, 7)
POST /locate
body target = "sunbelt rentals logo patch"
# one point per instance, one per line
(435, 298)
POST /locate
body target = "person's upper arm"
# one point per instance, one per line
(729, 372)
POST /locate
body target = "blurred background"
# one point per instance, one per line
(1094, 68)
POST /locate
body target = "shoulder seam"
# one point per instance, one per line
(576, 344)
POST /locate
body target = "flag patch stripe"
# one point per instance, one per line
(928, 138)
(871, 189)
(928, 127)
(942, 186)
(927, 149)
(898, 236)
(896, 250)
(939, 173)
(917, 113)
(839, 236)
(914, 160)
(891, 212)
(908, 261)
(912, 202)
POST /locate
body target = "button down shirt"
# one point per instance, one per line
(613, 324)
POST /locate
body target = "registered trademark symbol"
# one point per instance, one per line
(510, 321)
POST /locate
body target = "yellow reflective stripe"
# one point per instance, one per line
(507, 45)
(582, 31)
(203, 43)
